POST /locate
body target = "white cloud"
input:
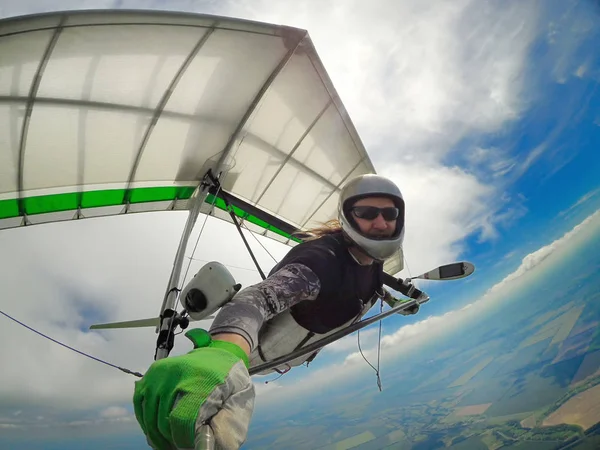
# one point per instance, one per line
(312, 381)
(535, 258)
(505, 259)
(509, 255)
(367, 338)
(494, 162)
(401, 341)
(444, 205)
(113, 412)
(415, 77)
(582, 70)
(565, 35)
(584, 198)
(262, 388)
(80, 422)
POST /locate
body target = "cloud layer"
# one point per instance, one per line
(416, 78)
(534, 259)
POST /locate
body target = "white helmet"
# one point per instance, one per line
(371, 185)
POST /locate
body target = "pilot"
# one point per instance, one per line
(322, 283)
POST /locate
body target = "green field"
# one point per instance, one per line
(568, 322)
(590, 364)
(471, 373)
(487, 392)
(534, 445)
(472, 443)
(525, 395)
(351, 442)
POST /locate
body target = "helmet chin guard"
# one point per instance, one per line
(364, 186)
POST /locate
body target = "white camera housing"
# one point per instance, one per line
(212, 287)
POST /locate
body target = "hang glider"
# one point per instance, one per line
(116, 112)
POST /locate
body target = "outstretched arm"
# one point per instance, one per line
(240, 320)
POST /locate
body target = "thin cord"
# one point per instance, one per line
(377, 370)
(182, 280)
(360, 350)
(278, 377)
(406, 264)
(261, 244)
(241, 233)
(379, 349)
(122, 369)
(226, 265)
(200, 234)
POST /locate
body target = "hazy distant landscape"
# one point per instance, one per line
(525, 377)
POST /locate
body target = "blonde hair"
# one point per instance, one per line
(330, 227)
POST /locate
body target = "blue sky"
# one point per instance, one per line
(487, 118)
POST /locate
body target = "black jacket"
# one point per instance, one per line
(346, 286)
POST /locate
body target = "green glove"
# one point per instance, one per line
(392, 302)
(177, 395)
(410, 311)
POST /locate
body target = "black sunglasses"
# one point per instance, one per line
(371, 212)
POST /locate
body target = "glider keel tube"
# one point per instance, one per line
(337, 335)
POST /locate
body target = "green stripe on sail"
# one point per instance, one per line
(70, 201)
(239, 212)
(8, 208)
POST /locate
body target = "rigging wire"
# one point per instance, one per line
(182, 280)
(362, 354)
(279, 376)
(122, 369)
(379, 349)
(377, 370)
(226, 265)
(261, 244)
(241, 232)
(406, 264)
(198, 238)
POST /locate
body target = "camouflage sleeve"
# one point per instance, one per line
(252, 306)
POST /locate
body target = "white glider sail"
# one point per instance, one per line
(114, 112)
